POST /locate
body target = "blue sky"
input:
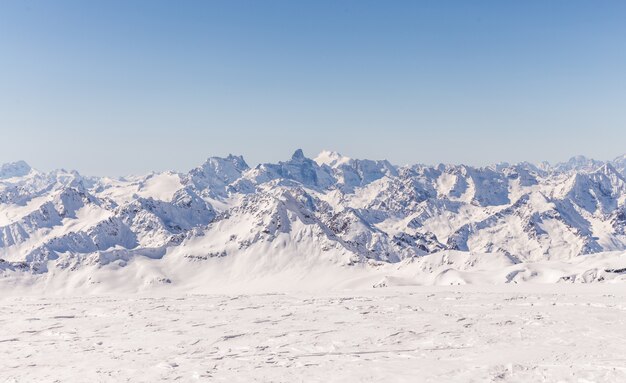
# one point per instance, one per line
(117, 87)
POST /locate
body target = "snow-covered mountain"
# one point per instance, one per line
(330, 209)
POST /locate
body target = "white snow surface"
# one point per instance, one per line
(327, 270)
(524, 333)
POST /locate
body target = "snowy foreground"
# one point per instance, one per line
(512, 333)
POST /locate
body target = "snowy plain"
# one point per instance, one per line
(504, 333)
(442, 317)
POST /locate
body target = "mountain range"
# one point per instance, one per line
(330, 208)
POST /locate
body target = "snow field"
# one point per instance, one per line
(529, 333)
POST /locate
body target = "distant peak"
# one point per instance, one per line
(607, 169)
(330, 158)
(216, 163)
(238, 160)
(579, 163)
(579, 158)
(298, 155)
(620, 158)
(19, 163)
(14, 169)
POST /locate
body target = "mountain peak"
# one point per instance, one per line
(231, 160)
(14, 169)
(217, 172)
(620, 158)
(579, 163)
(608, 170)
(330, 158)
(298, 155)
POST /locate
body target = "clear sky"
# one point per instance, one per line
(118, 87)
